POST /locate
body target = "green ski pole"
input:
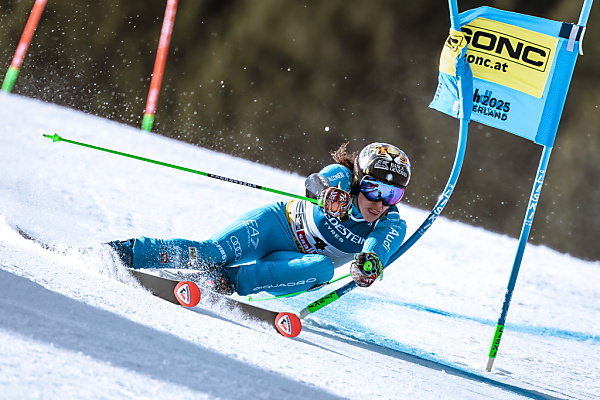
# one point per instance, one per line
(57, 138)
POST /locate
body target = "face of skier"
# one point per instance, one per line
(375, 197)
(370, 210)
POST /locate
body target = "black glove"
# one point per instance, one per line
(365, 269)
(335, 202)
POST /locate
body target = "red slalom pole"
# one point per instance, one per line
(159, 64)
(32, 23)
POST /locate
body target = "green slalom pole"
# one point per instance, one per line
(57, 138)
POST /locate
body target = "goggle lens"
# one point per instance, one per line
(375, 190)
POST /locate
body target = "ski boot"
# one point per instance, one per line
(123, 250)
(217, 281)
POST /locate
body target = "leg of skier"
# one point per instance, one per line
(251, 236)
(281, 272)
(259, 242)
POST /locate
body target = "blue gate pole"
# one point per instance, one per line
(465, 90)
(525, 229)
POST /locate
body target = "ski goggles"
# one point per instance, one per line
(375, 190)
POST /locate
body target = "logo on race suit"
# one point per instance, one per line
(237, 247)
(222, 252)
(298, 221)
(253, 232)
(285, 285)
(392, 234)
(320, 244)
(303, 239)
(339, 175)
(341, 232)
(509, 55)
(193, 256)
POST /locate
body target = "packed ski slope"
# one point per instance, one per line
(74, 326)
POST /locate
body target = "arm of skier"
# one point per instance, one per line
(331, 187)
(381, 244)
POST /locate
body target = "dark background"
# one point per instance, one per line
(283, 82)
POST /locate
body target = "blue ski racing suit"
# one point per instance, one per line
(284, 247)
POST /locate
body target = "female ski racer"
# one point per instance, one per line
(286, 247)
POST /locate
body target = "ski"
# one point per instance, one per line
(177, 290)
(187, 294)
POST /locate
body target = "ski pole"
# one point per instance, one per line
(57, 138)
(159, 65)
(32, 22)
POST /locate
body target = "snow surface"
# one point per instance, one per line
(73, 326)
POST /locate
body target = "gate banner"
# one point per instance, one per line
(521, 65)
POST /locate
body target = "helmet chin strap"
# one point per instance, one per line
(355, 185)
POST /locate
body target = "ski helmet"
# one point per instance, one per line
(384, 162)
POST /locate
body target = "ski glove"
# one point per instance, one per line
(335, 202)
(365, 269)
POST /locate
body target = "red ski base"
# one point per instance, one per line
(288, 324)
(187, 294)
